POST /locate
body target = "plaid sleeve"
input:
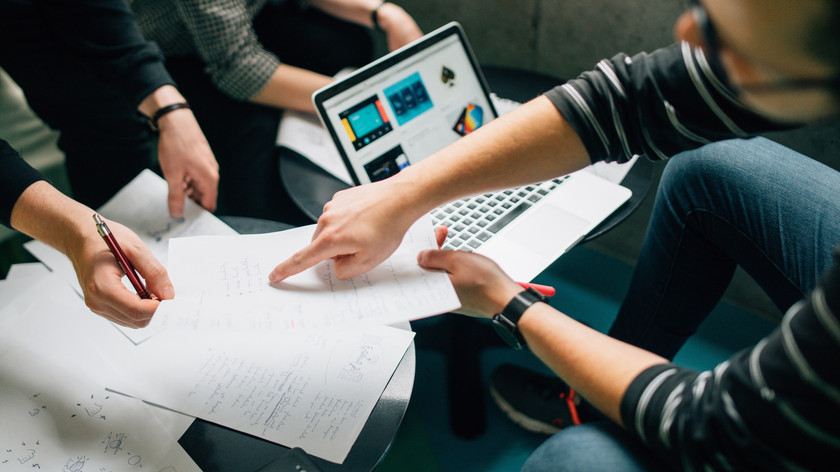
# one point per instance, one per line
(224, 38)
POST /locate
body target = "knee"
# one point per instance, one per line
(593, 447)
(712, 170)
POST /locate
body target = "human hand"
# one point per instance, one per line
(359, 228)
(187, 162)
(399, 27)
(100, 277)
(483, 288)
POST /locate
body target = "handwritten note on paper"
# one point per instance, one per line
(222, 283)
(142, 207)
(309, 390)
(56, 412)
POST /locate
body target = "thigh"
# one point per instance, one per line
(593, 447)
(773, 211)
(751, 203)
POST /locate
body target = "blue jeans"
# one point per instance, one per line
(598, 446)
(752, 203)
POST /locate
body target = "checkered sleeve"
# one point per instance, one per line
(223, 36)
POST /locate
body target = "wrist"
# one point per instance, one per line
(506, 323)
(501, 297)
(165, 114)
(161, 97)
(386, 15)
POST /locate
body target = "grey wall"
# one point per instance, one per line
(562, 38)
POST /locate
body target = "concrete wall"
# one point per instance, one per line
(562, 38)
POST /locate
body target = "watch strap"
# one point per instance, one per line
(508, 319)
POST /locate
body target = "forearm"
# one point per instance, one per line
(291, 87)
(597, 366)
(357, 11)
(46, 214)
(531, 144)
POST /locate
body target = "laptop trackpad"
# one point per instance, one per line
(547, 229)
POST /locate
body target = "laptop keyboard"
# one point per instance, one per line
(474, 220)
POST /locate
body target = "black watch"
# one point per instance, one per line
(505, 323)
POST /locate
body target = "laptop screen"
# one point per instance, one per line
(407, 105)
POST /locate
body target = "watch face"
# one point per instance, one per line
(506, 333)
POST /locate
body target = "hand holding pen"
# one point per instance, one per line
(121, 258)
(100, 268)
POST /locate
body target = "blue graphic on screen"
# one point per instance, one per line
(408, 98)
(366, 120)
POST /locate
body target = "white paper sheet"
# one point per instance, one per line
(56, 412)
(310, 390)
(222, 284)
(141, 206)
(18, 280)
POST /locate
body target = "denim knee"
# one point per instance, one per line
(592, 447)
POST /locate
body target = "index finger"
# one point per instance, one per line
(307, 257)
(207, 187)
(176, 195)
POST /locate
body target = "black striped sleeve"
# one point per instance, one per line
(775, 406)
(652, 105)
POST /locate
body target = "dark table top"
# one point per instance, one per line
(216, 448)
(310, 186)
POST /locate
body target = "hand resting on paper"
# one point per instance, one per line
(483, 288)
(359, 228)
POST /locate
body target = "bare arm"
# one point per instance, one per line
(291, 87)
(363, 225)
(46, 214)
(597, 366)
(399, 27)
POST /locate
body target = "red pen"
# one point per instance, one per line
(545, 290)
(121, 258)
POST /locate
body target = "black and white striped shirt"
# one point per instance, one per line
(775, 406)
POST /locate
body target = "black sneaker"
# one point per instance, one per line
(539, 403)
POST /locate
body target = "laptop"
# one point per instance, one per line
(403, 107)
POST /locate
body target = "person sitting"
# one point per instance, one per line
(741, 67)
(240, 62)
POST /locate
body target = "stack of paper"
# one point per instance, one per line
(301, 364)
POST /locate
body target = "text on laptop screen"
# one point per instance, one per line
(408, 110)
